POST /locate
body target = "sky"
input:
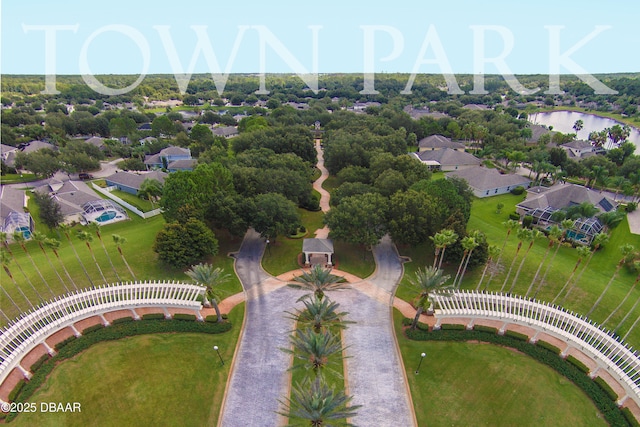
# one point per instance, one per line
(161, 36)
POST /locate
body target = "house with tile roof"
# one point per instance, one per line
(130, 182)
(12, 213)
(447, 159)
(485, 182)
(439, 142)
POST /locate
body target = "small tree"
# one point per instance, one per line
(425, 282)
(319, 280)
(211, 277)
(50, 213)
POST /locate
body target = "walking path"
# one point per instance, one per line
(374, 368)
(322, 233)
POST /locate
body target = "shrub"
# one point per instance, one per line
(487, 329)
(551, 348)
(36, 365)
(92, 329)
(153, 316)
(517, 335)
(631, 206)
(516, 191)
(514, 216)
(65, 342)
(16, 390)
(452, 327)
(182, 316)
(631, 419)
(407, 321)
(606, 388)
(123, 320)
(578, 364)
(527, 221)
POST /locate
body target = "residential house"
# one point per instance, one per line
(485, 182)
(439, 142)
(8, 154)
(79, 203)
(579, 149)
(12, 212)
(225, 131)
(542, 202)
(447, 159)
(96, 141)
(34, 146)
(166, 157)
(130, 182)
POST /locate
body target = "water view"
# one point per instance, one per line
(563, 121)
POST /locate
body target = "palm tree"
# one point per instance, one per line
(210, 277)
(626, 297)
(319, 280)
(583, 251)
(425, 282)
(578, 125)
(18, 237)
(119, 241)
(441, 240)
(469, 243)
(511, 224)
(531, 237)
(95, 227)
(65, 229)
(317, 403)
(87, 238)
(494, 252)
(626, 251)
(3, 237)
(566, 225)
(599, 240)
(4, 259)
(320, 314)
(313, 350)
(54, 244)
(554, 236)
(40, 239)
(522, 234)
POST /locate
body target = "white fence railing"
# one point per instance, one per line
(107, 192)
(602, 346)
(32, 328)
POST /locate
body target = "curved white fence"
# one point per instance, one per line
(602, 346)
(32, 328)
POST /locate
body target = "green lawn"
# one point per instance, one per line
(463, 384)
(140, 235)
(12, 178)
(142, 204)
(159, 379)
(600, 269)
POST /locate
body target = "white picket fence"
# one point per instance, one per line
(32, 328)
(107, 192)
(607, 350)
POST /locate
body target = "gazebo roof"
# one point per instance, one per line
(317, 246)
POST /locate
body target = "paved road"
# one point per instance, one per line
(259, 376)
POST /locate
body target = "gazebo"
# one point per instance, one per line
(317, 251)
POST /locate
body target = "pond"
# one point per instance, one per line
(563, 121)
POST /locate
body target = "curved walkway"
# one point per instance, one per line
(322, 233)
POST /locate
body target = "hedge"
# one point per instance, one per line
(550, 347)
(153, 316)
(578, 364)
(606, 388)
(452, 327)
(92, 328)
(517, 335)
(39, 362)
(487, 329)
(212, 318)
(609, 409)
(122, 320)
(64, 342)
(630, 417)
(182, 316)
(23, 391)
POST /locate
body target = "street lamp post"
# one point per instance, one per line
(420, 363)
(268, 247)
(215, 347)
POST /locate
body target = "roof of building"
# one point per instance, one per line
(182, 164)
(578, 144)
(38, 145)
(70, 195)
(7, 148)
(439, 141)
(11, 200)
(476, 107)
(447, 157)
(317, 246)
(481, 178)
(172, 150)
(561, 196)
(134, 180)
(96, 141)
(225, 131)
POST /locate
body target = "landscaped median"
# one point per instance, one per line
(151, 371)
(464, 382)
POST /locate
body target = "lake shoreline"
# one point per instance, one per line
(621, 120)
